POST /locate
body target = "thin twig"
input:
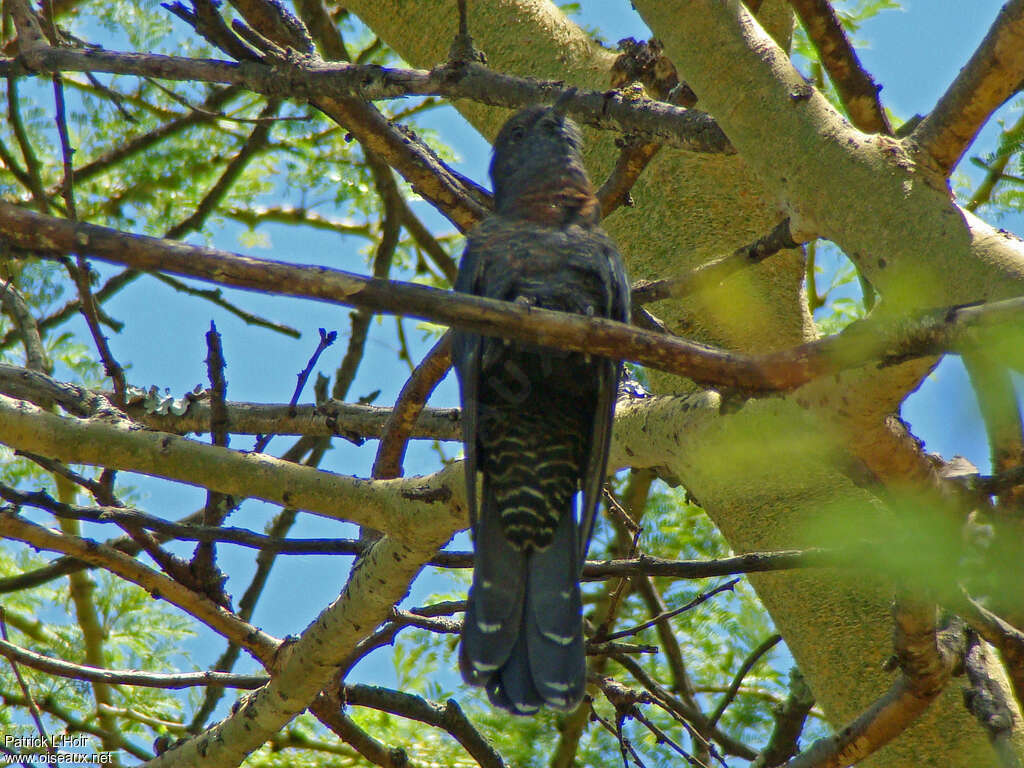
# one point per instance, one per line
(32, 706)
(748, 663)
(682, 710)
(174, 681)
(857, 91)
(326, 340)
(99, 491)
(711, 274)
(994, 170)
(704, 596)
(81, 272)
(205, 576)
(33, 168)
(216, 297)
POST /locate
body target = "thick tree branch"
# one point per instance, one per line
(927, 660)
(305, 667)
(893, 342)
(331, 419)
(315, 81)
(807, 154)
(400, 506)
(991, 76)
(461, 200)
(1009, 640)
(991, 703)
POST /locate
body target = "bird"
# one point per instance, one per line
(536, 420)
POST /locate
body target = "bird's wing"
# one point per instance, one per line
(466, 352)
(609, 372)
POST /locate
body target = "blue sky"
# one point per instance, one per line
(914, 53)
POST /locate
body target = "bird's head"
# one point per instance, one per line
(538, 145)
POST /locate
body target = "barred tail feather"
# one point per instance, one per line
(523, 631)
(494, 606)
(553, 621)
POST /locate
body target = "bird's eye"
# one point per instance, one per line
(518, 132)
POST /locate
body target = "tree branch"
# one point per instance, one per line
(990, 703)
(888, 342)
(1001, 634)
(856, 89)
(177, 680)
(679, 708)
(435, 503)
(314, 81)
(64, 565)
(217, 618)
(448, 717)
(309, 664)
(789, 723)
(331, 419)
(16, 308)
(927, 661)
(398, 428)
(76, 725)
(748, 664)
(33, 708)
(714, 272)
(991, 76)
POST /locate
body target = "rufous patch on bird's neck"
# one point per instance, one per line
(557, 201)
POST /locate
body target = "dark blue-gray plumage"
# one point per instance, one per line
(536, 420)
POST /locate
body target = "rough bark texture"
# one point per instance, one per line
(768, 470)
